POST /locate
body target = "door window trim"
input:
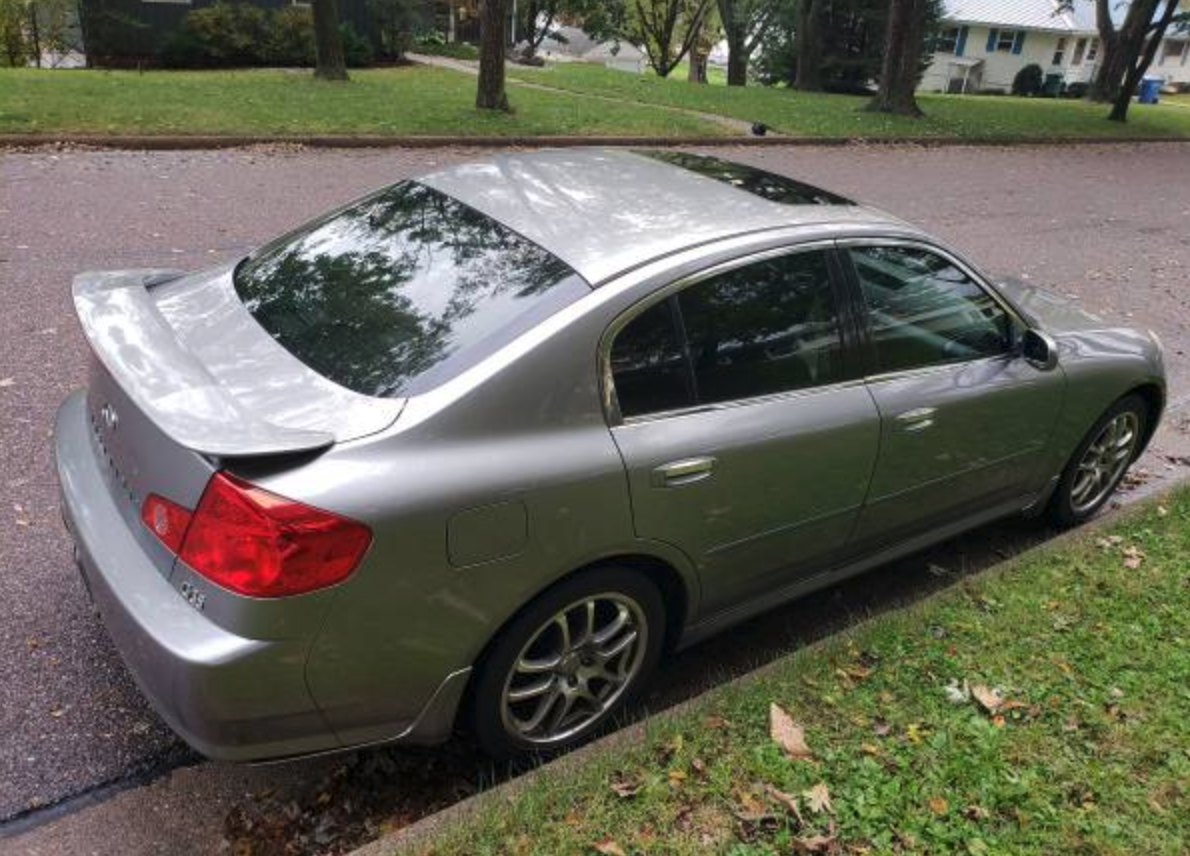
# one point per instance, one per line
(848, 333)
(862, 319)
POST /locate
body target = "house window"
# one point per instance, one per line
(1005, 41)
(1093, 51)
(1170, 50)
(948, 40)
(1185, 52)
(1080, 52)
(1060, 52)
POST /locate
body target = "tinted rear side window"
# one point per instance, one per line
(402, 291)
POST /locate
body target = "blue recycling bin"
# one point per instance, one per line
(1150, 90)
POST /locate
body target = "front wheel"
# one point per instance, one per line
(576, 655)
(1098, 465)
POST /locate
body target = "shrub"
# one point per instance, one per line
(395, 22)
(357, 51)
(1028, 81)
(291, 37)
(454, 50)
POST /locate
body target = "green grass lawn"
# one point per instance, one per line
(410, 100)
(814, 114)
(1080, 652)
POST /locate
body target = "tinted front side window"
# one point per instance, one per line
(925, 311)
(762, 329)
(402, 290)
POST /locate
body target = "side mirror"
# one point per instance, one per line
(1040, 350)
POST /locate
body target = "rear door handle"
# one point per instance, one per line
(918, 419)
(683, 472)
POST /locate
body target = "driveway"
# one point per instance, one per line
(1108, 225)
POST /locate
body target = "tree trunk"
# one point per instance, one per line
(491, 94)
(1138, 53)
(1110, 74)
(902, 54)
(737, 59)
(808, 46)
(328, 42)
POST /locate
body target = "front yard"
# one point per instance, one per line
(419, 100)
(401, 101)
(821, 115)
(1043, 708)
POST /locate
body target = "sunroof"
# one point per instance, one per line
(770, 186)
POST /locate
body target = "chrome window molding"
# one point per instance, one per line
(611, 404)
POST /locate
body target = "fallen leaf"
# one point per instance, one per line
(609, 847)
(939, 805)
(699, 765)
(813, 844)
(818, 798)
(870, 749)
(788, 734)
(1133, 558)
(914, 732)
(626, 790)
(956, 694)
(1162, 511)
(976, 812)
(787, 800)
(676, 777)
(882, 729)
(714, 722)
(989, 699)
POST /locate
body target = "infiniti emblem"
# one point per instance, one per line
(109, 416)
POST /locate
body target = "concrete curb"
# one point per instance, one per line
(420, 832)
(154, 142)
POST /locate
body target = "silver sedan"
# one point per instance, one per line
(477, 449)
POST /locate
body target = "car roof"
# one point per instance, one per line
(605, 211)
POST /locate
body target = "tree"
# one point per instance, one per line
(807, 45)
(329, 63)
(666, 29)
(491, 94)
(1138, 44)
(904, 45)
(745, 23)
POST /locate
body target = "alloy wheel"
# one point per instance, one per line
(1104, 462)
(574, 669)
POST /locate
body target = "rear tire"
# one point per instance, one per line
(572, 658)
(1099, 463)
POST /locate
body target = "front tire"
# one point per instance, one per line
(1098, 465)
(571, 659)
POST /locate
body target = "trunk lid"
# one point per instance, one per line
(188, 356)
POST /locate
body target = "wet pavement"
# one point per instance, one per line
(1108, 225)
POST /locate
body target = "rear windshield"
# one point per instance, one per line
(401, 291)
(750, 179)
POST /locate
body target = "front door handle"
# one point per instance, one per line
(918, 419)
(683, 472)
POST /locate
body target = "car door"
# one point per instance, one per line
(965, 420)
(747, 435)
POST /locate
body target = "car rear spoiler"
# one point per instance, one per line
(134, 342)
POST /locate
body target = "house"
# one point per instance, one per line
(984, 43)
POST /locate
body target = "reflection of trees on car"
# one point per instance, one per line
(925, 310)
(381, 292)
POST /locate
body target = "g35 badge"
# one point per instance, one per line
(193, 596)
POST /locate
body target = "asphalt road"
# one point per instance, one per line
(1109, 225)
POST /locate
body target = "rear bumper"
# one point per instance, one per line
(230, 697)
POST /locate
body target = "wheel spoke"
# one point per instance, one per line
(541, 711)
(530, 667)
(532, 690)
(617, 624)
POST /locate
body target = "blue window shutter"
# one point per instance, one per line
(992, 36)
(962, 43)
(1019, 44)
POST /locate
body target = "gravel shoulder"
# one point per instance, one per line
(1104, 224)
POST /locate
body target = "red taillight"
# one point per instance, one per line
(260, 544)
(167, 520)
